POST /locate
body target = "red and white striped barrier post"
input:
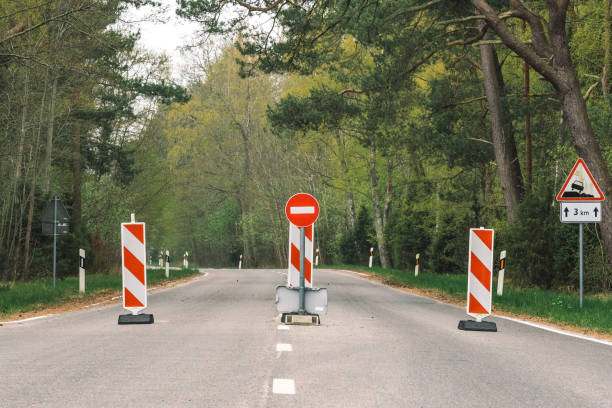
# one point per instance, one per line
(371, 256)
(293, 272)
(134, 273)
(480, 280)
(317, 258)
(240, 262)
(500, 275)
(416, 265)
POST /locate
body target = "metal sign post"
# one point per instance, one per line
(302, 268)
(581, 264)
(54, 237)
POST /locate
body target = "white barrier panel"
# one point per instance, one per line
(133, 258)
(480, 272)
(293, 273)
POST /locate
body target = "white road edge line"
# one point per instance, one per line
(282, 327)
(284, 347)
(551, 329)
(26, 320)
(536, 325)
(283, 386)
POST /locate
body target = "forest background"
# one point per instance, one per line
(410, 121)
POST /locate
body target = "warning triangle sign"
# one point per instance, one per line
(580, 185)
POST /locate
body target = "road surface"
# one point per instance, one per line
(215, 340)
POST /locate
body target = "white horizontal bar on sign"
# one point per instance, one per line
(302, 210)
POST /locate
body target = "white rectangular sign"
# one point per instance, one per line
(580, 212)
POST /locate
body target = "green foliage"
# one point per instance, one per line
(354, 244)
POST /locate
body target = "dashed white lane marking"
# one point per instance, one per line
(550, 329)
(282, 327)
(283, 386)
(284, 347)
(26, 320)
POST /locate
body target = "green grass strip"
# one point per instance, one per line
(36, 295)
(558, 307)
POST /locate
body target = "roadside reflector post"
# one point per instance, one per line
(240, 262)
(500, 275)
(371, 256)
(134, 273)
(480, 279)
(317, 258)
(416, 265)
(167, 264)
(81, 270)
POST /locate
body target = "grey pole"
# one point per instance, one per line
(581, 267)
(54, 235)
(302, 274)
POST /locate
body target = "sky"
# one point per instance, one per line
(163, 37)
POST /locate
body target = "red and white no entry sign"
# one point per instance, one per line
(302, 209)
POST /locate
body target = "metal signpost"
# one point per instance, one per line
(55, 221)
(580, 199)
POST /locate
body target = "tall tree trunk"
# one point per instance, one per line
(378, 218)
(49, 150)
(350, 201)
(607, 40)
(528, 167)
(32, 197)
(504, 145)
(388, 193)
(76, 168)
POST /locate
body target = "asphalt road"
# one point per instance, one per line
(214, 344)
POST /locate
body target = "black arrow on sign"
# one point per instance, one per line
(596, 211)
(566, 211)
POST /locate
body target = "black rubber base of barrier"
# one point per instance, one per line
(471, 325)
(305, 319)
(136, 319)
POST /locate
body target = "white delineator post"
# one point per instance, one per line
(480, 273)
(416, 265)
(317, 258)
(371, 256)
(81, 270)
(293, 270)
(167, 264)
(500, 275)
(240, 262)
(133, 258)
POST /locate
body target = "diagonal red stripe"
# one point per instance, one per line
(308, 232)
(480, 271)
(308, 271)
(137, 230)
(476, 307)
(133, 265)
(486, 236)
(295, 257)
(130, 299)
(295, 261)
